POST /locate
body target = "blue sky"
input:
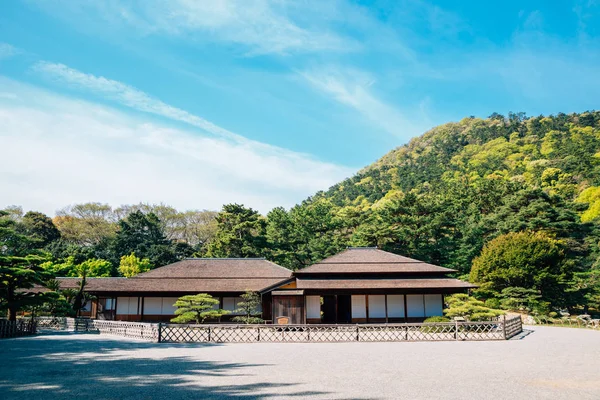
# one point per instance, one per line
(200, 103)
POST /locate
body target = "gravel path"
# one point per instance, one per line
(549, 363)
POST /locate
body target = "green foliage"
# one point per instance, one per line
(493, 303)
(249, 307)
(132, 265)
(143, 235)
(197, 308)
(522, 299)
(530, 260)
(19, 271)
(436, 319)
(92, 268)
(240, 233)
(40, 228)
(462, 305)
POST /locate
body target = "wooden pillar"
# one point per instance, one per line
(405, 310)
(367, 306)
(304, 297)
(116, 298)
(336, 308)
(386, 310)
(142, 310)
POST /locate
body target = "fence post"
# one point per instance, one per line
(357, 333)
(456, 329)
(504, 326)
(209, 332)
(159, 332)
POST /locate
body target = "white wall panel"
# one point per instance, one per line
(414, 305)
(313, 307)
(359, 306)
(433, 305)
(167, 305)
(133, 305)
(395, 305)
(122, 305)
(377, 306)
(153, 306)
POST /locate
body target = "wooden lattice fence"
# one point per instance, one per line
(468, 331)
(501, 329)
(9, 329)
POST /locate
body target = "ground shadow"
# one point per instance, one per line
(524, 333)
(66, 366)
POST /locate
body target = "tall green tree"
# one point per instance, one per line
(530, 260)
(132, 265)
(143, 235)
(240, 233)
(19, 271)
(249, 308)
(40, 228)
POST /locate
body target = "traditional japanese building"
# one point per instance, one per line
(150, 296)
(364, 285)
(358, 285)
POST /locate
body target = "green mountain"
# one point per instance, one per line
(558, 153)
(444, 195)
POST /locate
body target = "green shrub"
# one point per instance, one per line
(437, 319)
(492, 303)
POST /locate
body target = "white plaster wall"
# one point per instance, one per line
(167, 305)
(433, 305)
(313, 307)
(359, 309)
(153, 306)
(414, 305)
(395, 305)
(377, 306)
(122, 305)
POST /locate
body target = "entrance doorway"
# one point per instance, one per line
(344, 309)
(337, 309)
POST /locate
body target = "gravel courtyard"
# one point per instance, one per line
(548, 363)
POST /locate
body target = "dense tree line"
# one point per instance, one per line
(512, 203)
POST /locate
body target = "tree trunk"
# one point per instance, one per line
(12, 307)
(12, 313)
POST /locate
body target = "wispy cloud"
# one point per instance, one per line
(60, 150)
(262, 26)
(7, 51)
(127, 96)
(353, 88)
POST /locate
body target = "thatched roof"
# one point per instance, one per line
(193, 275)
(370, 260)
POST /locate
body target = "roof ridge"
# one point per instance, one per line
(223, 258)
(377, 262)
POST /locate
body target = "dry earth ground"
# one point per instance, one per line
(549, 363)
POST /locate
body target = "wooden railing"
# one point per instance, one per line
(138, 330)
(9, 329)
(443, 331)
(229, 333)
(512, 326)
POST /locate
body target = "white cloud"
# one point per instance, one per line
(127, 96)
(262, 26)
(353, 88)
(7, 51)
(59, 150)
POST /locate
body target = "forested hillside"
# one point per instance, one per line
(512, 203)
